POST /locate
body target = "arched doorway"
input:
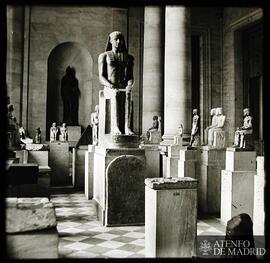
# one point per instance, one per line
(76, 56)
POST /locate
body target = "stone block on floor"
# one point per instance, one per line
(170, 217)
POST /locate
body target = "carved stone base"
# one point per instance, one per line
(124, 141)
(119, 185)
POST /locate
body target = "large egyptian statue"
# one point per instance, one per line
(116, 74)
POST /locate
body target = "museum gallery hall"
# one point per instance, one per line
(134, 132)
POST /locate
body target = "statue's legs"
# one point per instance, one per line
(128, 110)
(114, 115)
(237, 139)
(206, 135)
(210, 136)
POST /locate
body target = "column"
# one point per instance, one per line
(177, 92)
(153, 65)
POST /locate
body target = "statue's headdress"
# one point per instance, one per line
(112, 35)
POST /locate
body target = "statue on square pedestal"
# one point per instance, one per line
(53, 132)
(38, 136)
(94, 123)
(213, 124)
(195, 131)
(177, 139)
(218, 125)
(116, 74)
(63, 133)
(243, 137)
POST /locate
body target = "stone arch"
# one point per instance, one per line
(75, 55)
(125, 191)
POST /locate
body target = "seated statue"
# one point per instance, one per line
(218, 125)
(53, 132)
(213, 124)
(12, 128)
(116, 75)
(153, 128)
(177, 139)
(153, 134)
(94, 123)
(38, 136)
(243, 137)
(195, 136)
(63, 132)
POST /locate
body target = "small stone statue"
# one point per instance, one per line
(116, 74)
(63, 132)
(22, 132)
(213, 124)
(243, 136)
(195, 136)
(177, 139)
(53, 132)
(153, 134)
(38, 135)
(219, 122)
(94, 122)
(153, 128)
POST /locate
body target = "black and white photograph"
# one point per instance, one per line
(133, 131)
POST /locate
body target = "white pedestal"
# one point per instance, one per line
(78, 175)
(172, 160)
(170, 217)
(187, 163)
(22, 155)
(89, 170)
(259, 210)
(237, 186)
(152, 160)
(211, 162)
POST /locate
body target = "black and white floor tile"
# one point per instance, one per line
(81, 235)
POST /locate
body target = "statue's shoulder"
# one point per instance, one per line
(102, 56)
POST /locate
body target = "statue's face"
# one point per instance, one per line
(246, 112)
(117, 42)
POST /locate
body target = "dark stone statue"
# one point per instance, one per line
(116, 75)
(70, 95)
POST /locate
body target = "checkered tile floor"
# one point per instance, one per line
(81, 235)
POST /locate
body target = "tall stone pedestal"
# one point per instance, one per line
(163, 151)
(170, 217)
(89, 170)
(172, 160)
(119, 175)
(59, 163)
(211, 162)
(78, 171)
(152, 160)
(187, 163)
(237, 185)
(259, 190)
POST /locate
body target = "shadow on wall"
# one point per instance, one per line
(76, 56)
